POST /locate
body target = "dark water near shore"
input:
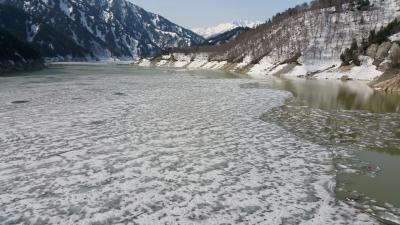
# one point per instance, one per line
(360, 125)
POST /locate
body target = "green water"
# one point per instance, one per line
(338, 95)
(361, 127)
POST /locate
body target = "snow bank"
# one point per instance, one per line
(199, 61)
(261, 69)
(395, 37)
(367, 71)
(144, 62)
(324, 69)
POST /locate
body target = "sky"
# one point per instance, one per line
(205, 13)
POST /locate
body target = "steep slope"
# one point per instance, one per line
(320, 34)
(304, 40)
(16, 55)
(92, 29)
(209, 32)
(383, 48)
(226, 37)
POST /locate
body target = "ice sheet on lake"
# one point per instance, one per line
(157, 150)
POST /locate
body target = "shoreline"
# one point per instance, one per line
(321, 70)
(11, 68)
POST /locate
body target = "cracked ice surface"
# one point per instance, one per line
(159, 149)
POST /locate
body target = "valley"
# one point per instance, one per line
(113, 114)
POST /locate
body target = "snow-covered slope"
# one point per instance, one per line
(208, 32)
(92, 29)
(313, 36)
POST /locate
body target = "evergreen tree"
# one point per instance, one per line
(350, 55)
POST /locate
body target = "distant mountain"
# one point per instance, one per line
(227, 36)
(209, 32)
(92, 29)
(16, 55)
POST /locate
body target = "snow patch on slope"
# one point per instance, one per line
(395, 37)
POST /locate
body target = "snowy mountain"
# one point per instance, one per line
(92, 29)
(209, 32)
(226, 37)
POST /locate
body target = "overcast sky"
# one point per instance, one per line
(204, 13)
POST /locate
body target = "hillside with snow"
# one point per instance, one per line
(92, 29)
(307, 39)
(209, 32)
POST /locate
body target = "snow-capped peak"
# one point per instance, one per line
(208, 32)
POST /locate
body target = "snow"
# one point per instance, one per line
(146, 32)
(174, 149)
(107, 16)
(199, 61)
(246, 61)
(367, 71)
(156, 20)
(395, 37)
(262, 68)
(31, 32)
(65, 8)
(267, 66)
(182, 57)
(209, 32)
(322, 37)
(297, 72)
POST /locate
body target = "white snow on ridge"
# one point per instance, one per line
(209, 32)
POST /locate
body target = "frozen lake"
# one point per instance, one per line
(108, 144)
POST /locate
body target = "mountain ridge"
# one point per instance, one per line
(92, 30)
(209, 32)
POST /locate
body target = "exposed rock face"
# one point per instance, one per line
(371, 51)
(383, 51)
(394, 55)
(391, 85)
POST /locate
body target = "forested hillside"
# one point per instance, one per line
(321, 30)
(16, 55)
